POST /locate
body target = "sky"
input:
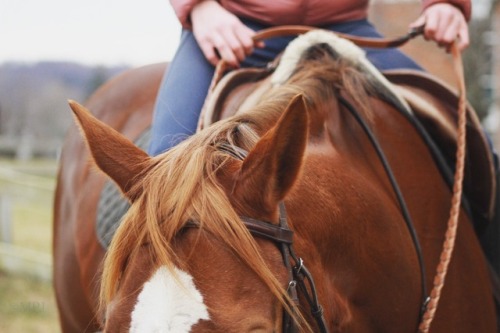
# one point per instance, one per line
(94, 32)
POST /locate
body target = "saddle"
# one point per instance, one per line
(434, 107)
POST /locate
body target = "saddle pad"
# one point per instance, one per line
(112, 205)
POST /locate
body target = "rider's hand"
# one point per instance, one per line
(220, 34)
(444, 23)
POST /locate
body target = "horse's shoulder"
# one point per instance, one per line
(435, 105)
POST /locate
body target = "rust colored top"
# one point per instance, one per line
(305, 12)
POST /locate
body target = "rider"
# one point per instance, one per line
(214, 30)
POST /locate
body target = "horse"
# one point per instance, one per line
(206, 243)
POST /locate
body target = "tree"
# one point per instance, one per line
(98, 77)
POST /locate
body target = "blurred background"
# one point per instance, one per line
(55, 50)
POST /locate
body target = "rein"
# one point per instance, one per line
(399, 195)
(290, 30)
(295, 30)
(283, 236)
(456, 200)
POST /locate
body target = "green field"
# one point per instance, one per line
(27, 188)
(26, 192)
(26, 305)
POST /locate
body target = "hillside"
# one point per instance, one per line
(34, 114)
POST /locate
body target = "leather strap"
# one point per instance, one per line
(269, 231)
(451, 232)
(260, 229)
(295, 30)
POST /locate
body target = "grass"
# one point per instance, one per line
(33, 225)
(26, 305)
(26, 188)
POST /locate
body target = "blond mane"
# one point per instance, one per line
(182, 185)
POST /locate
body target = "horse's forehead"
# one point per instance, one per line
(168, 302)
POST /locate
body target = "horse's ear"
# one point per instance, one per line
(273, 165)
(114, 154)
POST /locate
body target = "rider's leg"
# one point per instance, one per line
(184, 88)
(181, 96)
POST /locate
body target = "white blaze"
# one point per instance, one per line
(168, 304)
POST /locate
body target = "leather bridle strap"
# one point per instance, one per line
(275, 233)
(299, 276)
(397, 192)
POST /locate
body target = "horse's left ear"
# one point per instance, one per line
(114, 154)
(273, 165)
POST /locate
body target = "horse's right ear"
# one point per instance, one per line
(274, 164)
(114, 154)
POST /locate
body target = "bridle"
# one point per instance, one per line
(299, 277)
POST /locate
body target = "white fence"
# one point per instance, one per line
(13, 258)
(18, 260)
(5, 219)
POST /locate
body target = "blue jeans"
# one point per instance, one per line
(185, 85)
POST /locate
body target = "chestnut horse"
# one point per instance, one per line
(184, 259)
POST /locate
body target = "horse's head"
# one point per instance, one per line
(182, 261)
